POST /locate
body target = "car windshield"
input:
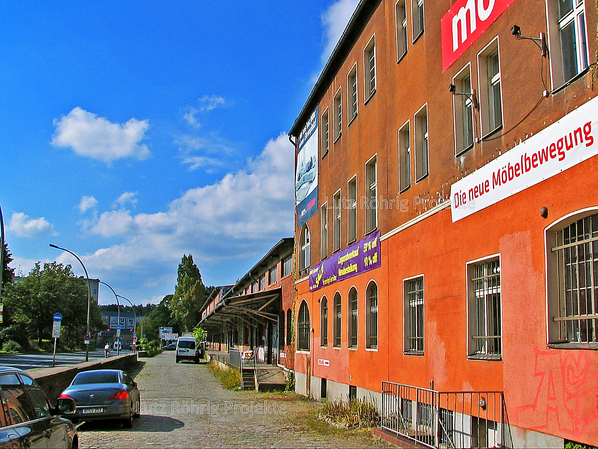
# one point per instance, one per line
(187, 344)
(96, 377)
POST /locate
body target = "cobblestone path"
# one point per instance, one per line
(183, 406)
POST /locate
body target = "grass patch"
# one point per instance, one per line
(230, 378)
(357, 413)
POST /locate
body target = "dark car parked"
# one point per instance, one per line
(104, 394)
(26, 417)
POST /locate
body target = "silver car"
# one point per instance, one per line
(104, 394)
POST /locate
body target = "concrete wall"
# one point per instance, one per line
(54, 380)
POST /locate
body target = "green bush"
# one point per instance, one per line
(16, 332)
(12, 346)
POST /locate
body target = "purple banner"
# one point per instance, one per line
(355, 259)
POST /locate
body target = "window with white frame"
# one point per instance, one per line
(371, 187)
(490, 89)
(338, 320)
(369, 57)
(352, 318)
(404, 158)
(463, 111)
(352, 94)
(303, 327)
(401, 29)
(421, 143)
(417, 18)
(413, 291)
(352, 210)
(304, 243)
(338, 114)
(287, 265)
(568, 39)
(336, 225)
(484, 305)
(324, 230)
(573, 281)
(273, 275)
(371, 322)
(325, 133)
(323, 322)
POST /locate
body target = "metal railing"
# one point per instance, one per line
(454, 419)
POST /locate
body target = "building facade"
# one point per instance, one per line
(257, 312)
(447, 220)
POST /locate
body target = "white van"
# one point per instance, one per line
(186, 349)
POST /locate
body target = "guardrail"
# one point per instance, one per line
(454, 419)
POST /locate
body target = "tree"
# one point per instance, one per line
(54, 288)
(160, 316)
(189, 295)
(7, 272)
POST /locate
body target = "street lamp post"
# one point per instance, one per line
(117, 316)
(1, 254)
(88, 296)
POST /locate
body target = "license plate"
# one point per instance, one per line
(92, 410)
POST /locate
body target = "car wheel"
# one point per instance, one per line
(137, 411)
(128, 422)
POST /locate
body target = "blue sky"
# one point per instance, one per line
(134, 132)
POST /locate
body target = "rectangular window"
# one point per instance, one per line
(372, 316)
(262, 281)
(325, 143)
(490, 90)
(573, 292)
(568, 41)
(369, 56)
(338, 114)
(352, 96)
(463, 112)
(336, 226)
(417, 16)
(401, 29)
(352, 210)
(404, 158)
(273, 275)
(338, 319)
(484, 309)
(421, 143)
(352, 319)
(414, 315)
(371, 192)
(324, 322)
(324, 231)
(287, 265)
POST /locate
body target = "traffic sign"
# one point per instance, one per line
(56, 329)
(58, 317)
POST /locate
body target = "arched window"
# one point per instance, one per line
(303, 328)
(371, 322)
(324, 321)
(352, 318)
(304, 242)
(338, 319)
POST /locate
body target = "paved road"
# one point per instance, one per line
(183, 406)
(44, 360)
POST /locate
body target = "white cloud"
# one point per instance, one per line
(190, 117)
(208, 103)
(209, 146)
(245, 209)
(24, 226)
(87, 202)
(335, 19)
(127, 197)
(97, 138)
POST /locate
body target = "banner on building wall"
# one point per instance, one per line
(355, 259)
(306, 176)
(562, 145)
(464, 23)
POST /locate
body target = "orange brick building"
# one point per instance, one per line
(447, 221)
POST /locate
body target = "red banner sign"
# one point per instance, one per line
(464, 23)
